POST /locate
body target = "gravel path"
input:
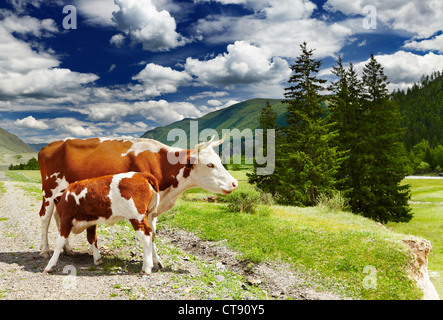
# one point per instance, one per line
(194, 269)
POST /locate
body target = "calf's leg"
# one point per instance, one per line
(144, 233)
(67, 248)
(92, 239)
(58, 248)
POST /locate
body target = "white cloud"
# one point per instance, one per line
(141, 22)
(97, 12)
(161, 111)
(420, 17)
(434, 44)
(279, 25)
(117, 40)
(27, 24)
(28, 72)
(405, 68)
(32, 123)
(242, 64)
(72, 126)
(214, 103)
(157, 79)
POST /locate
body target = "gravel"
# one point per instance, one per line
(194, 269)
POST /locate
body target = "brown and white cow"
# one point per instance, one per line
(176, 170)
(133, 196)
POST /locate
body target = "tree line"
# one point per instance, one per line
(349, 142)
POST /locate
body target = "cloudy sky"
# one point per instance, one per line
(122, 67)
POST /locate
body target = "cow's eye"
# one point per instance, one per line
(210, 165)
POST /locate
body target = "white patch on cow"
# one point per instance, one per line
(155, 201)
(62, 184)
(78, 226)
(77, 197)
(142, 145)
(103, 139)
(119, 205)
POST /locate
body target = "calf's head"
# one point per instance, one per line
(208, 172)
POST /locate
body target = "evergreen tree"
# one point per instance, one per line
(381, 158)
(267, 121)
(306, 163)
(346, 112)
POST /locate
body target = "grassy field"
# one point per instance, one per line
(335, 250)
(427, 205)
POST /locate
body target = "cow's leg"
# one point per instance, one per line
(58, 248)
(144, 232)
(46, 214)
(67, 249)
(155, 258)
(92, 239)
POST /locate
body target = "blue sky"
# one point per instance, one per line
(132, 65)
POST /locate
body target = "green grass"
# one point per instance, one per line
(332, 248)
(24, 175)
(31, 177)
(427, 223)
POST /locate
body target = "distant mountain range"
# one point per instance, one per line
(243, 115)
(10, 143)
(13, 150)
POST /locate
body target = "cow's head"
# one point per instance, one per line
(208, 172)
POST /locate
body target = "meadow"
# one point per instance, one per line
(333, 250)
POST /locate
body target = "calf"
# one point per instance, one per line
(109, 199)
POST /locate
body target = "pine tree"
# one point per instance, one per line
(267, 121)
(381, 158)
(306, 163)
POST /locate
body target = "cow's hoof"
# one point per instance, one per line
(158, 265)
(98, 262)
(47, 271)
(68, 252)
(144, 273)
(45, 254)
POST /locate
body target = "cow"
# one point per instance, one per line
(176, 170)
(133, 196)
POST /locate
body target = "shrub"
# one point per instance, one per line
(336, 202)
(247, 199)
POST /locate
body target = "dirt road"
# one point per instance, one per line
(194, 269)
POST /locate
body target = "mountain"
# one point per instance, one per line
(243, 115)
(10, 143)
(13, 150)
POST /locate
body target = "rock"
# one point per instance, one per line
(420, 249)
(219, 278)
(253, 282)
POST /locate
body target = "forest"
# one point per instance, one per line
(421, 108)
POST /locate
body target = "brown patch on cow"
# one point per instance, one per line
(139, 189)
(92, 234)
(142, 225)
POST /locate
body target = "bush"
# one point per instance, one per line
(247, 199)
(336, 202)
